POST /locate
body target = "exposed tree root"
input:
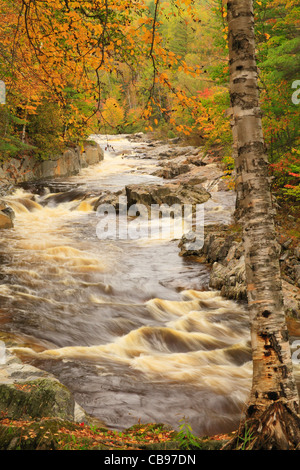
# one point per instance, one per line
(277, 428)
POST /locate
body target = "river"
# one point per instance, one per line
(129, 326)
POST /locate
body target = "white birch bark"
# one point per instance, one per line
(273, 379)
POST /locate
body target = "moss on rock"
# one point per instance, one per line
(36, 399)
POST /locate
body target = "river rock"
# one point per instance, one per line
(230, 279)
(36, 399)
(169, 194)
(196, 159)
(27, 392)
(171, 171)
(6, 216)
(148, 194)
(111, 199)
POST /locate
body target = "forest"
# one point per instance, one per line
(179, 87)
(219, 76)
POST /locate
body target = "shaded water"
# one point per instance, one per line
(129, 326)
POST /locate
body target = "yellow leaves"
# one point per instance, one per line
(112, 112)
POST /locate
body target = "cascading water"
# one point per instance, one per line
(128, 325)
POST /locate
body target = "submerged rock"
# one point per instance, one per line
(6, 216)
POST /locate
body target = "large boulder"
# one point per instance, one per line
(148, 194)
(166, 194)
(36, 399)
(28, 392)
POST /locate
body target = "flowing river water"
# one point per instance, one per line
(129, 326)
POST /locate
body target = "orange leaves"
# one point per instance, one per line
(184, 129)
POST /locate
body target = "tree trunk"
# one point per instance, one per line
(272, 411)
(24, 127)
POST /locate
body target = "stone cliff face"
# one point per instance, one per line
(27, 169)
(18, 170)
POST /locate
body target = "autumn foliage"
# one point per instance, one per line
(113, 66)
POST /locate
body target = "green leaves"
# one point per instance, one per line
(187, 440)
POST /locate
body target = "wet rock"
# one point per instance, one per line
(216, 246)
(6, 216)
(148, 194)
(113, 199)
(284, 256)
(196, 159)
(166, 153)
(230, 279)
(43, 187)
(6, 189)
(5, 221)
(172, 171)
(191, 245)
(224, 253)
(173, 167)
(166, 194)
(72, 195)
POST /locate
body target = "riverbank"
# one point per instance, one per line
(27, 168)
(223, 252)
(56, 434)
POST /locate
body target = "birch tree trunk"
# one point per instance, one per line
(272, 411)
